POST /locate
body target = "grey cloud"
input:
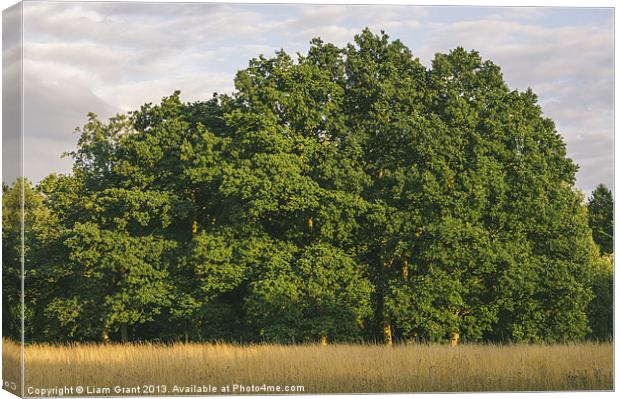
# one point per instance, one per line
(11, 94)
(109, 56)
(40, 153)
(52, 111)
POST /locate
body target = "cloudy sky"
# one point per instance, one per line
(111, 57)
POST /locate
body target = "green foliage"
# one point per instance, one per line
(601, 218)
(11, 259)
(127, 275)
(302, 297)
(41, 234)
(331, 195)
(601, 309)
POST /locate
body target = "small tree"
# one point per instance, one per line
(601, 309)
(601, 218)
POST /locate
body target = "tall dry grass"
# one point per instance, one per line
(330, 369)
(11, 366)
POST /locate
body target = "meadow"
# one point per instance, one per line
(338, 368)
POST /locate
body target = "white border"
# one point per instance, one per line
(506, 3)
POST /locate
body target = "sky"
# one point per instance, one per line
(112, 57)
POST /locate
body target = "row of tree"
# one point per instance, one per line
(350, 194)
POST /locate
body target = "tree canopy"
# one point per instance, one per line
(348, 194)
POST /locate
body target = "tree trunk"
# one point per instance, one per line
(192, 196)
(454, 339)
(124, 332)
(378, 314)
(387, 332)
(381, 323)
(105, 336)
(186, 336)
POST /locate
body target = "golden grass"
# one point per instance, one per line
(325, 369)
(11, 366)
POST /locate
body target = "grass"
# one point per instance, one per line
(330, 369)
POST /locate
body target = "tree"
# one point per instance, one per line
(601, 309)
(11, 259)
(453, 171)
(601, 218)
(317, 294)
(350, 193)
(38, 248)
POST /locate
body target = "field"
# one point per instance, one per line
(329, 369)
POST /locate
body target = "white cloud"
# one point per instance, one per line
(521, 13)
(569, 67)
(107, 57)
(11, 94)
